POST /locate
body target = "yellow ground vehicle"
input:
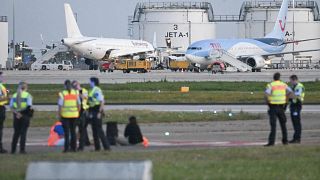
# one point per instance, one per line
(179, 65)
(134, 65)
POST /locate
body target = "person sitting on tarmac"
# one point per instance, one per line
(132, 133)
(56, 137)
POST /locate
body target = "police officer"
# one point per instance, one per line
(96, 104)
(83, 120)
(21, 105)
(296, 106)
(276, 96)
(3, 102)
(69, 107)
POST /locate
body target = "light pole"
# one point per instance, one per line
(293, 35)
(13, 33)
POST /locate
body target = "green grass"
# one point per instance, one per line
(45, 119)
(200, 92)
(280, 162)
(175, 86)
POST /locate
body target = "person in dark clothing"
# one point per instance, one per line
(3, 102)
(276, 94)
(295, 107)
(69, 107)
(96, 105)
(132, 133)
(83, 121)
(21, 105)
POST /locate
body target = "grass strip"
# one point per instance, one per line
(46, 119)
(175, 86)
(279, 162)
(168, 92)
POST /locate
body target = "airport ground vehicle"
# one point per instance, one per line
(141, 66)
(107, 66)
(217, 66)
(179, 65)
(47, 65)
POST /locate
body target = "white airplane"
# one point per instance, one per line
(253, 52)
(94, 48)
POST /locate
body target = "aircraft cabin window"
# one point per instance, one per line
(194, 48)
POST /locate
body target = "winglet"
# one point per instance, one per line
(280, 25)
(72, 26)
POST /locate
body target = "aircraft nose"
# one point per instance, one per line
(189, 56)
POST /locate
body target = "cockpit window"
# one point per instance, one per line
(194, 48)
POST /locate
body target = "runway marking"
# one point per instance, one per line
(205, 143)
(184, 143)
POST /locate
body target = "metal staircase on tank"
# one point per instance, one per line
(230, 59)
(51, 53)
(247, 5)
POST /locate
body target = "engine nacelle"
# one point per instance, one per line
(256, 62)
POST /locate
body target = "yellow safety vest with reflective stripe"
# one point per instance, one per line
(93, 101)
(301, 97)
(278, 92)
(23, 101)
(3, 94)
(85, 105)
(69, 109)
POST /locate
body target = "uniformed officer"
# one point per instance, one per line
(3, 102)
(296, 106)
(69, 107)
(276, 96)
(83, 119)
(21, 105)
(96, 104)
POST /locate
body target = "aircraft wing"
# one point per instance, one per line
(118, 53)
(289, 52)
(279, 53)
(84, 41)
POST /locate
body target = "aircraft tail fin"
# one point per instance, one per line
(280, 25)
(72, 26)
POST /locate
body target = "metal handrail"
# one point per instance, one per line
(277, 4)
(140, 7)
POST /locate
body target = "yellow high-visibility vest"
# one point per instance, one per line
(69, 108)
(23, 101)
(85, 105)
(93, 101)
(278, 92)
(3, 94)
(301, 97)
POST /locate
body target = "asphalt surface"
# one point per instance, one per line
(177, 135)
(188, 108)
(190, 135)
(58, 77)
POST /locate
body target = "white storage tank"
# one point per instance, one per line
(186, 22)
(3, 41)
(182, 22)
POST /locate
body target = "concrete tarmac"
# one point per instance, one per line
(58, 77)
(191, 135)
(188, 108)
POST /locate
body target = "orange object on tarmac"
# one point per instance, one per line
(56, 135)
(145, 142)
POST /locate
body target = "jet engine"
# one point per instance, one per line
(256, 62)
